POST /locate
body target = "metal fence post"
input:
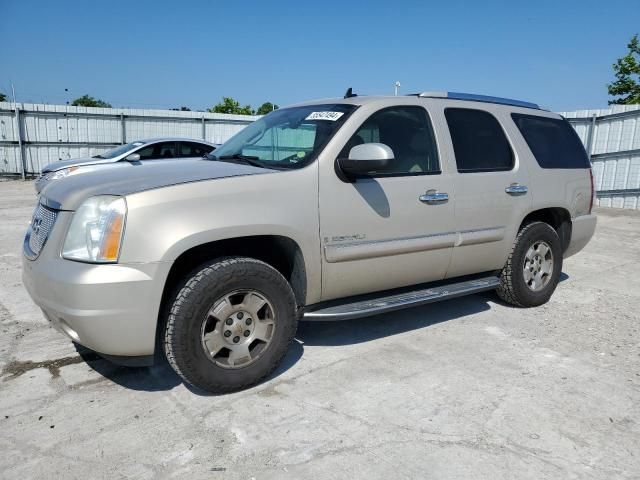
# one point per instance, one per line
(123, 132)
(23, 166)
(204, 129)
(590, 135)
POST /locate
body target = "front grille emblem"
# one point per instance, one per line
(35, 225)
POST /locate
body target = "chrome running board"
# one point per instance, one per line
(375, 306)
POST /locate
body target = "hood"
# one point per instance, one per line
(68, 193)
(59, 165)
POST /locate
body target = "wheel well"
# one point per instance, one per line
(281, 253)
(559, 218)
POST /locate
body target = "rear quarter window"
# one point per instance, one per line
(553, 142)
(479, 142)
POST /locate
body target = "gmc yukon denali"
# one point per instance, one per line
(326, 210)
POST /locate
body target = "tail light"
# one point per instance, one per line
(593, 190)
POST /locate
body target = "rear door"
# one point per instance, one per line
(492, 189)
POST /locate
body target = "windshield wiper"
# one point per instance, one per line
(246, 159)
(98, 156)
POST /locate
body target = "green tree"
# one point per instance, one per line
(266, 107)
(182, 109)
(627, 71)
(3, 97)
(229, 105)
(88, 101)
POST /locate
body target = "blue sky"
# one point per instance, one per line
(149, 54)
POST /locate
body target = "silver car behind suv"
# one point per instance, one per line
(140, 150)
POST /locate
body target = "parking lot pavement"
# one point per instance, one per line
(468, 388)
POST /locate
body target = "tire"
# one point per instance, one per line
(192, 322)
(518, 288)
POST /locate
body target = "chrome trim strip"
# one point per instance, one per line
(359, 250)
(381, 248)
(481, 235)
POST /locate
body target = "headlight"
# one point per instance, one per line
(58, 174)
(96, 230)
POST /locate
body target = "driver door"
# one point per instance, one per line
(381, 231)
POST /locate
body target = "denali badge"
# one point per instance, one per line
(345, 238)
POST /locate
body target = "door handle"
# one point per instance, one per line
(516, 189)
(433, 197)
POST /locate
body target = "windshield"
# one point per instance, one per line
(285, 138)
(114, 152)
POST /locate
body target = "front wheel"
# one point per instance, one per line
(533, 268)
(230, 325)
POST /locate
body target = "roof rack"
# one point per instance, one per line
(477, 98)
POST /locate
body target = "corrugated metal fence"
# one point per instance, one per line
(612, 139)
(39, 134)
(47, 133)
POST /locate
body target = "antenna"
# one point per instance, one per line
(350, 93)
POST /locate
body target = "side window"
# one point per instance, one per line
(553, 142)
(146, 153)
(158, 150)
(191, 149)
(478, 140)
(408, 132)
(167, 150)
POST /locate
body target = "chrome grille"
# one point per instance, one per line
(41, 225)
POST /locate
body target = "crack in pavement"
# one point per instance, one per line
(17, 368)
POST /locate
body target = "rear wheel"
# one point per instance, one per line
(230, 325)
(533, 268)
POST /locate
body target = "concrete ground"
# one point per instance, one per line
(468, 388)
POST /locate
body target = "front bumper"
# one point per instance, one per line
(582, 229)
(111, 309)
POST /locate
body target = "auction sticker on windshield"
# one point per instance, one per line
(331, 116)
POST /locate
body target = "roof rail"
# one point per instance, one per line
(478, 98)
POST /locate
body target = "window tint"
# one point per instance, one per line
(553, 142)
(191, 149)
(408, 132)
(146, 153)
(158, 150)
(478, 140)
(168, 150)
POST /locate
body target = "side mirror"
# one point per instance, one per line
(134, 157)
(366, 158)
